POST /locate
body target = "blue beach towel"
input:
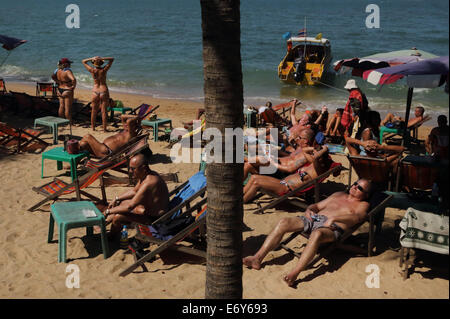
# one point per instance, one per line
(176, 223)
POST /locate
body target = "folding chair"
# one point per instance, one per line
(46, 89)
(313, 184)
(378, 203)
(20, 138)
(395, 131)
(184, 201)
(418, 172)
(2, 86)
(378, 170)
(95, 170)
(144, 110)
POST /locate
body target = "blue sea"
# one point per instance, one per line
(157, 45)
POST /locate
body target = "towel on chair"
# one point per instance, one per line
(424, 230)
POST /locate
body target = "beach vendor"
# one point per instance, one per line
(144, 203)
(131, 128)
(100, 93)
(355, 109)
(66, 82)
(324, 222)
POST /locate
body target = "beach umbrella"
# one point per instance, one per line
(9, 44)
(428, 73)
(380, 60)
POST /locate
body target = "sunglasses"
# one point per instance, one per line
(359, 187)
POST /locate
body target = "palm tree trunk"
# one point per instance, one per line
(224, 109)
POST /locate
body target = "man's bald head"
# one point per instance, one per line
(138, 160)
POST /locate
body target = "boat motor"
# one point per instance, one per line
(300, 69)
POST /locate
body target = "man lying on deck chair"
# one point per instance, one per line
(317, 162)
(131, 128)
(324, 222)
(285, 164)
(144, 203)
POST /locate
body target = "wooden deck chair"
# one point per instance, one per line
(95, 171)
(413, 131)
(179, 213)
(20, 138)
(378, 170)
(283, 109)
(46, 89)
(2, 86)
(313, 184)
(418, 173)
(378, 203)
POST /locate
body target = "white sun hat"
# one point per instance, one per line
(351, 84)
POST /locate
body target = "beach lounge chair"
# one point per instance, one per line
(46, 89)
(2, 87)
(312, 185)
(20, 138)
(378, 203)
(95, 170)
(176, 224)
(391, 132)
(378, 170)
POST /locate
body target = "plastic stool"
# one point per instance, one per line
(70, 215)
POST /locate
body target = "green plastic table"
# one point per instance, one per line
(58, 154)
(155, 125)
(122, 110)
(52, 122)
(385, 129)
(70, 215)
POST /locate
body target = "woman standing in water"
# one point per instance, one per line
(100, 93)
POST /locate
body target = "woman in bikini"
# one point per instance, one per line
(318, 162)
(100, 93)
(66, 81)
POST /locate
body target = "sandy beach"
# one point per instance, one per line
(29, 267)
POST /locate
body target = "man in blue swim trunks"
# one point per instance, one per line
(324, 222)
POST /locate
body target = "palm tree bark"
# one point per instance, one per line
(223, 93)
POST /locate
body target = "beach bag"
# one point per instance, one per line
(73, 146)
(167, 229)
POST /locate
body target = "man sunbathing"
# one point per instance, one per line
(286, 164)
(391, 118)
(147, 201)
(317, 162)
(131, 128)
(323, 222)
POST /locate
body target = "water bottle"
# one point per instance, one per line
(124, 238)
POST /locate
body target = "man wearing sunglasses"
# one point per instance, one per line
(323, 222)
(145, 202)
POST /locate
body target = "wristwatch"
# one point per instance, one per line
(107, 212)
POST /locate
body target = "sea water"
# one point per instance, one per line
(157, 45)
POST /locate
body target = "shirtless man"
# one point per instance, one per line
(437, 141)
(317, 162)
(146, 202)
(286, 164)
(66, 81)
(324, 222)
(100, 93)
(418, 113)
(131, 125)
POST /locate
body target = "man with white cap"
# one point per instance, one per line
(356, 105)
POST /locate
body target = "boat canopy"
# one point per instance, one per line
(310, 40)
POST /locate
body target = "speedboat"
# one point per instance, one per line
(306, 60)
